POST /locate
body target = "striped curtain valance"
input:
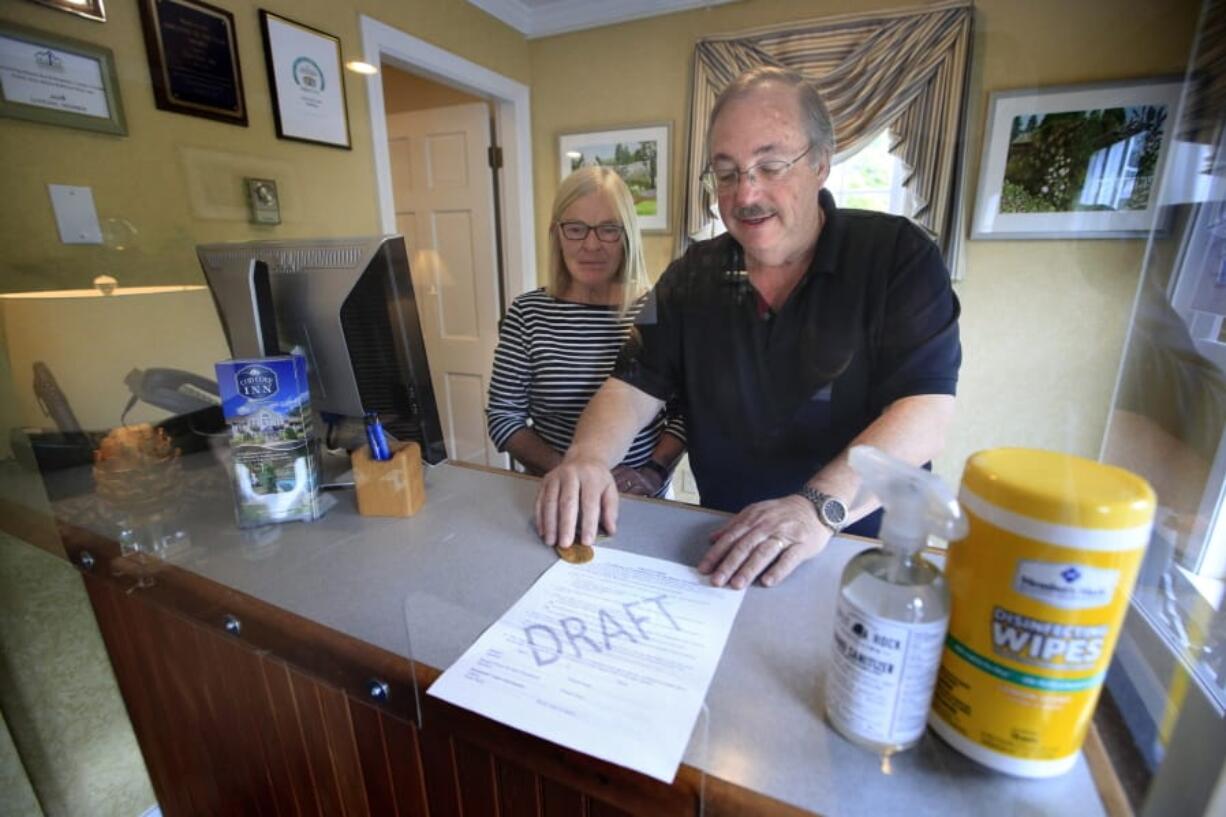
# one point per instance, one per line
(1205, 114)
(902, 69)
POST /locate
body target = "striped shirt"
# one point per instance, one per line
(551, 358)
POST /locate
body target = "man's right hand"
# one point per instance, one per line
(577, 497)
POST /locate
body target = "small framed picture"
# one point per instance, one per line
(639, 155)
(58, 81)
(306, 81)
(89, 9)
(1082, 161)
(193, 59)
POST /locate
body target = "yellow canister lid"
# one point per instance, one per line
(1060, 488)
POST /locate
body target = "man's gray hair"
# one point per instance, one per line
(813, 111)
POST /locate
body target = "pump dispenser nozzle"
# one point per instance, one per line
(915, 502)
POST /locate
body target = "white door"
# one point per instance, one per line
(444, 193)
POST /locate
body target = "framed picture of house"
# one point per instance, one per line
(1082, 161)
(639, 155)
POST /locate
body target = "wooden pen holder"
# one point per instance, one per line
(392, 487)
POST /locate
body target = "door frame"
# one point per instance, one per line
(513, 123)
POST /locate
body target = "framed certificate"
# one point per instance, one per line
(58, 81)
(193, 59)
(306, 81)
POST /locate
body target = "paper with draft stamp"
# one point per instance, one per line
(611, 658)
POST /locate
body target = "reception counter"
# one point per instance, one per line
(283, 670)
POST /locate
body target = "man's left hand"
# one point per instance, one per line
(774, 536)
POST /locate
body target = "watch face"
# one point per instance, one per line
(834, 511)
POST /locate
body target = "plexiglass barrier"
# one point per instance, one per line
(1056, 356)
(1167, 423)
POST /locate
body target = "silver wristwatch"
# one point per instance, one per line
(831, 511)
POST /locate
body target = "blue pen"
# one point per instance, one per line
(379, 449)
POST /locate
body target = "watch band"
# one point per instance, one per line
(655, 467)
(831, 511)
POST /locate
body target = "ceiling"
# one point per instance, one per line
(542, 18)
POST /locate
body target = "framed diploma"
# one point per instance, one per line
(306, 81)
(193, 59)
(58, 81)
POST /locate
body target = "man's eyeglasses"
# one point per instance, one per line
(577, 231)
(726, 178)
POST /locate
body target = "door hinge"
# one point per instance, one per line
(495, 156)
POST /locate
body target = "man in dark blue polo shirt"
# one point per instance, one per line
(806, 329)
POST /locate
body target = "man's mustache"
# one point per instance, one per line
(752, 211)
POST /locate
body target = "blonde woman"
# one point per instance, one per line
(557, 344)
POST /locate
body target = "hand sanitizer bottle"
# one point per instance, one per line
(893, 610)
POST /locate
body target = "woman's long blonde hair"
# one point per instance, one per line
(632, 274)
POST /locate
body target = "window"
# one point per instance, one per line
(871, 179)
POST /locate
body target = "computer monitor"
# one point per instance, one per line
(347, 304)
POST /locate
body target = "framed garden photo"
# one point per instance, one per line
(638, 155)
(1082, 161)
(306, 81)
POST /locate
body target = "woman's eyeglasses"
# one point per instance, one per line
(577, 231)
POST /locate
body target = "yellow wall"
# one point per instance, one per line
(178, 179)
(1043, 321)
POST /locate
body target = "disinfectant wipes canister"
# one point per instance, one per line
(1039, 588)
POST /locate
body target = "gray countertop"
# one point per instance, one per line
(426, 587)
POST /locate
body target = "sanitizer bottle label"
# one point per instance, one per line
(882, 674)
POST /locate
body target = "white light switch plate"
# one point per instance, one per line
(75, 214)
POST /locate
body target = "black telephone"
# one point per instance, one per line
(192, 398)
(52, 400)
(175, 391)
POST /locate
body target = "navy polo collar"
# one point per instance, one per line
(826, 253)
